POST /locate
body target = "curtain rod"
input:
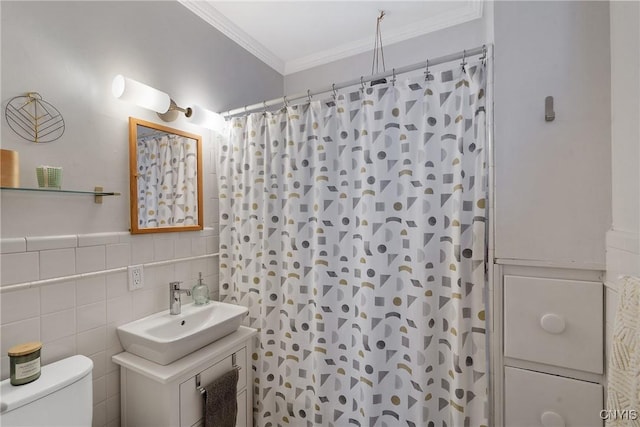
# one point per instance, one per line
(334, 87)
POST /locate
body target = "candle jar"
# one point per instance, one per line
(24, 362)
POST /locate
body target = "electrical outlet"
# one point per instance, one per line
(136, 277)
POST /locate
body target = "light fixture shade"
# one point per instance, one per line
(206, 118)
(139, 93)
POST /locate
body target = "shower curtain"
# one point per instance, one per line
(354, 230)
(167, 181)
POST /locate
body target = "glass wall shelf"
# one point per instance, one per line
(98, 192)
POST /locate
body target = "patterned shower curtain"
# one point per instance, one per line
(167, 181)
(354, 230)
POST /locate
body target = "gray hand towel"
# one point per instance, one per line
(220, 401)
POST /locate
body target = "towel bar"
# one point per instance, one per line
(202, 389)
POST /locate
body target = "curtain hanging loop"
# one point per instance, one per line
(378, 51)
(427, 73)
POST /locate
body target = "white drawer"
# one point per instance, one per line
(533, 399)
(553, 321)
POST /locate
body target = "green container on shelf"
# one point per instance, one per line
(49, 177)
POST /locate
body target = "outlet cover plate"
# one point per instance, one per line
(136, 277)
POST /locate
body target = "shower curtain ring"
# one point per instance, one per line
(393, 77)
(309, 95)
(361, 84)
(464, 57)
(335, 93)
(264, 104)
(286, 102)
(245, 109)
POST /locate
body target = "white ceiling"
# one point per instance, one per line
(292, 36)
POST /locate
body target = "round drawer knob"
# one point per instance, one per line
(552, 323)
(552, 419)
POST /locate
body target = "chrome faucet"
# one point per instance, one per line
(175, 304)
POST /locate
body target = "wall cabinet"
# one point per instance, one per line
(156, 395)
(552, 179)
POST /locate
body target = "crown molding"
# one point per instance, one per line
(212, 16)
(205, 10)
(473, 10)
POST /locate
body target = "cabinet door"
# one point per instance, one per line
(191, 399)
(241, 363)
(241, 421)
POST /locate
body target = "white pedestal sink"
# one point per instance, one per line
(163, 338)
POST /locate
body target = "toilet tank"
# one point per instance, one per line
(62, 396)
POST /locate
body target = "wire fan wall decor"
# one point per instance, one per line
(33, 118)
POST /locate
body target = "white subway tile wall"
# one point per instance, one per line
(51, 242)
(90, 258)
(19, 267)
(57, 263)
(17, 244)
(81, 316)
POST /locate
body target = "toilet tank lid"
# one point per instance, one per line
(53, 377)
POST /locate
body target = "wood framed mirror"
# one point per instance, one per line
(165, 177)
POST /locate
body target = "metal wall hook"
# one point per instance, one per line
(549, 114)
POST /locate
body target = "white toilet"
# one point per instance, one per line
(62, 396)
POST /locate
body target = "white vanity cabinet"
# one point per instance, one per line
(154, 395)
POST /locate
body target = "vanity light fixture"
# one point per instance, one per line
(145, 96)
(206, 118)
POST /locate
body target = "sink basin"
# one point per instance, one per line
(164, 338)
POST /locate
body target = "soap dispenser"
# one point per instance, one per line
(200, 292)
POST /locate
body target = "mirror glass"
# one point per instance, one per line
(165, 175)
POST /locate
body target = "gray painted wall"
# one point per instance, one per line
(69, 52)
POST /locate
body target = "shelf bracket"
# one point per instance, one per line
(98, 199)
